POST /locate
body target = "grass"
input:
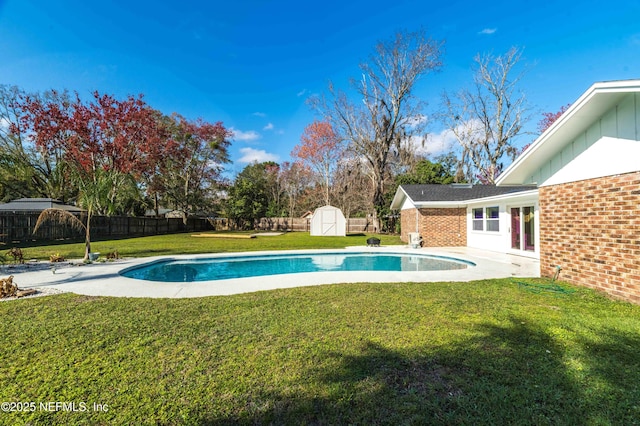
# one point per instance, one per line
(187, 244)
(487, 352)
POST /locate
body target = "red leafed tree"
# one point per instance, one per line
(107, 143)
(548, 118)
(110, 139)
(114, 135)
(197, 152)
(320, 148)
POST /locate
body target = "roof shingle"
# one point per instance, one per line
(460, 192)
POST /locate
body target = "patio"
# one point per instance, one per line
(103, 279)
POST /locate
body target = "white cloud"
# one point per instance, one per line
(445, 140)
(249, 155)
(438, 143)
(301, 93)
(4, 123)
(259, 114)
(488, 31)
(416, 120)
(248, 136)
(268, 127)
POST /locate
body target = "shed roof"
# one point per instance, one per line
(37, 205)
(453, 193)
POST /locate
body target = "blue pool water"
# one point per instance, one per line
(207, 269)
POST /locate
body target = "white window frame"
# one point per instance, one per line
(492, 221)
(475, 221)
(485, 221)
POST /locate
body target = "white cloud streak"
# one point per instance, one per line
(488, 31)
(438, 143)
(4, 123)
(445, 141)
(248, 136)
(249, 155)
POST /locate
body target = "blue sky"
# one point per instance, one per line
(253, 64)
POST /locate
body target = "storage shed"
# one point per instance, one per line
(328, 221)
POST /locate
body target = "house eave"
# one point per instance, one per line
(398, 199)
(594, 103)
(440, 204)
(503, 197)
(496, 198)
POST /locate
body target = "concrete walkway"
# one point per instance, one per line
(104, 279)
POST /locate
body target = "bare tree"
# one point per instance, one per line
(488, 118)
(351, 187)
(295, 178)
(386, 117)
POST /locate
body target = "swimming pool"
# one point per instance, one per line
(230, 267)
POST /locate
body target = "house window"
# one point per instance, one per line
(486, 219)
(493, 219)
(478, 220)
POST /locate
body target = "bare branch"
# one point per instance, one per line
(487, 120)
(381, 122)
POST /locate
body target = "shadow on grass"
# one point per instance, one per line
(505, 374)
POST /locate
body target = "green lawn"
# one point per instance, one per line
(187, 244)
(487, 352)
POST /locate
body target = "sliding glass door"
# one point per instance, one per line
(523, 228)
(528, 228)
(515, 228)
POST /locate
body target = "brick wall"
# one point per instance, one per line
(407, 223)
(591, 229)
(442, 227)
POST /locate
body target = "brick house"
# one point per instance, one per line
(461, 214)
(582, 212)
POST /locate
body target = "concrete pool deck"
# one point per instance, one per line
(104, 279)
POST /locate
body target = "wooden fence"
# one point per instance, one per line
(300, 224)
(18, 227)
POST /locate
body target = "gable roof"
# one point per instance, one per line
(37, 205)
(595, 102)
(453, 193)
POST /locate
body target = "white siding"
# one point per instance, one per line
(607, 157)
(626, 118)
(501, 241)
(408, 204)
(608, 125)
(492, 241)
(616, 128)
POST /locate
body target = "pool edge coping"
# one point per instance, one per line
(103, 279)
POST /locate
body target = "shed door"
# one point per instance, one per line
(329, 220)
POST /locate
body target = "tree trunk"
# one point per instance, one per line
(87, 238)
